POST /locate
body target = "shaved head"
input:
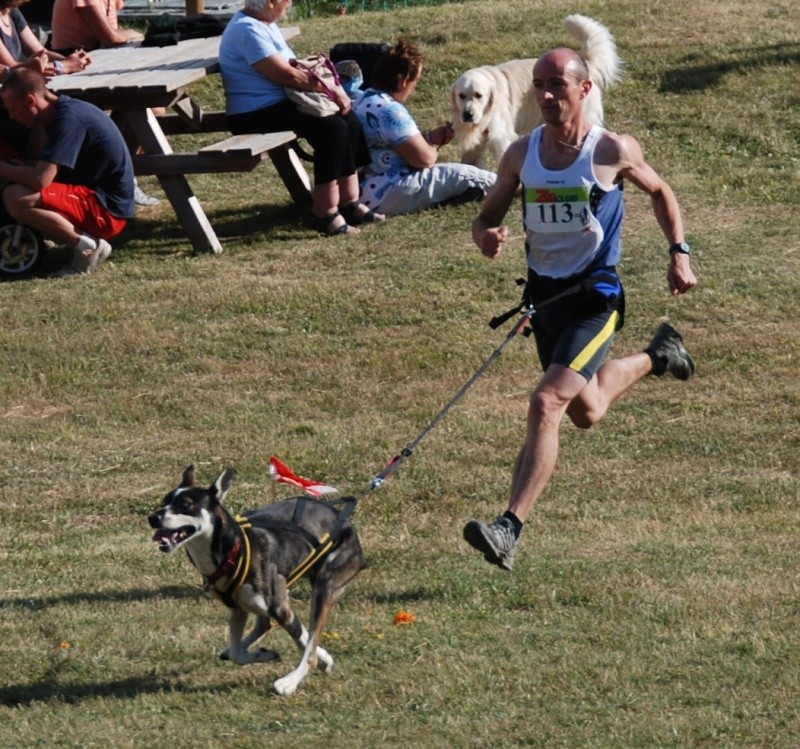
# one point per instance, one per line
(567, 60)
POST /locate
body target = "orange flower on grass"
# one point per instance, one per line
(404, 617)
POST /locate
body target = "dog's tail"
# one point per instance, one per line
(597, 48)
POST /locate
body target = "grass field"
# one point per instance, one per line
(655, 601)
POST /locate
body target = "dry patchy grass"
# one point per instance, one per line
(655, 599)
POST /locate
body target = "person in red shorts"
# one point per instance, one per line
(80, 190)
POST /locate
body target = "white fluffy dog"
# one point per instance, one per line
(494, 105)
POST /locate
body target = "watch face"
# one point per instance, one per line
(681, 247)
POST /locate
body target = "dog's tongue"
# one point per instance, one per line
(166, 539)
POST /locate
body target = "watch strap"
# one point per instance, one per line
(681, 247)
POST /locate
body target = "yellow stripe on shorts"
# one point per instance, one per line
(591, 348)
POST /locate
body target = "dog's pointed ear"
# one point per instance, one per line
(220, 487)
(189, 478)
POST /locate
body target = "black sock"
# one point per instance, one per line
(515, 521)
(659, 365)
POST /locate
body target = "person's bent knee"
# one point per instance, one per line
(18, 199)
(583, 419)
(545, 404)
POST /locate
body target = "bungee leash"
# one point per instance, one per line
(320, 548)
(527, 311)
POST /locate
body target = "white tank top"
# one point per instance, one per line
(563, 234)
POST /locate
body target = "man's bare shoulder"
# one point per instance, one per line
(514, 157)
(617, 150)
(518, 150)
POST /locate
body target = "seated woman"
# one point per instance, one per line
(89, 24)
(404, 176)
(254, 62)
(22, 48)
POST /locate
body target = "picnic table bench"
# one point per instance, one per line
(132, 81)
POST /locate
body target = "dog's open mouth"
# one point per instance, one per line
(170, 538)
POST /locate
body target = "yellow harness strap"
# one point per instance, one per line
(323, 547)
(243, 565)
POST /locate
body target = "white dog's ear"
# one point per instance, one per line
(188, 477)
(220, 487)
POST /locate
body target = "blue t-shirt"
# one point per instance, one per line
(90, 151)
(386, 123)
(245, 42)
(12, 41)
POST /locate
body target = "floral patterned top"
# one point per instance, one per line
(386, 123)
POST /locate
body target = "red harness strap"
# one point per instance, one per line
(228, 565)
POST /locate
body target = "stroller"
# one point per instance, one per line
(21, 248)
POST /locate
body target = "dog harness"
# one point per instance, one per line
(237, 564)
(320, 548)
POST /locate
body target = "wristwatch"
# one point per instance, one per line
(681, 247)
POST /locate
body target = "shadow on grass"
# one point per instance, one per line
(695, 77)
(24, 694)
(408, 596)
(163, 235)
(272, 221)
(37, 603)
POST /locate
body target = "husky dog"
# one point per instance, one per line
(250, 562)
(494, 105)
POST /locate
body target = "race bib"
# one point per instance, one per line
(556, 210)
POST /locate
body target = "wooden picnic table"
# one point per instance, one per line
(131, 81)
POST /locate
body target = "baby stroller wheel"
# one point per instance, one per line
(21, 248)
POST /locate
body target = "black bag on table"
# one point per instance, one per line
(168, 29)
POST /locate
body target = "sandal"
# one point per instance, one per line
(324, 225)
(354, 218)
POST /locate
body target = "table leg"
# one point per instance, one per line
(292, 172)
(190, 213)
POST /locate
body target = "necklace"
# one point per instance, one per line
(574, 146)
(581, 136)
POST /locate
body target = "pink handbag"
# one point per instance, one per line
(321, 69)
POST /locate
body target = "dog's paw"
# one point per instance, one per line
(287, 685)
(262, 655)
